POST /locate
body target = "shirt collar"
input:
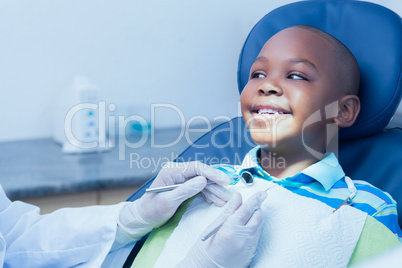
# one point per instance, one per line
(326, 171)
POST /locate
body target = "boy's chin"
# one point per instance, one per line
(265, 138)
(278, 143)
(266, 144)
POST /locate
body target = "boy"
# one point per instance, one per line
(298, 72)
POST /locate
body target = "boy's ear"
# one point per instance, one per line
(349, 108)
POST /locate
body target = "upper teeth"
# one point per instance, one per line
(269, 111)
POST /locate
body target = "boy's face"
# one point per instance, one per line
(295, 75)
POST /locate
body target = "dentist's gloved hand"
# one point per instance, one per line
(235, 243)
(153, 209)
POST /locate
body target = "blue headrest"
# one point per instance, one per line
(374, 35)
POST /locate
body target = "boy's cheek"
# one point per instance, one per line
(246, 113)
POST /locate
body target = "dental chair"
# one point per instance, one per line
(367, 151)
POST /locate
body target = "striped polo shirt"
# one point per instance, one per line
(325, 181)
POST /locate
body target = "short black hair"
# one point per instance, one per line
(346, 58)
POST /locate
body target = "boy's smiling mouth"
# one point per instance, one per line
(269, 109)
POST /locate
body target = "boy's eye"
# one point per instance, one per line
(297, 77)
(257, 75)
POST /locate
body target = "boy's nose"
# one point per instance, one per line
(270, 88)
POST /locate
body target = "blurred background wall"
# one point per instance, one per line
(137, 52)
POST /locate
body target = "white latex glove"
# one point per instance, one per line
(235, 243)
(153, 209)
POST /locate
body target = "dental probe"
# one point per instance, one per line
(246, 177)
(166, 188)
(216, 229)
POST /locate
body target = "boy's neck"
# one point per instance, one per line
(283, 166)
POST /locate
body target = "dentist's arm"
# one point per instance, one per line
(152, 210)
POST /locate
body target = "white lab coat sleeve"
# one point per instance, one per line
(79, 237)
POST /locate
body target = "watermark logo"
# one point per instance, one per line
(109, 132)
(111, 129)
(329, 112)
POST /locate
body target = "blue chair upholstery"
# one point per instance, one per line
(374, 35)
